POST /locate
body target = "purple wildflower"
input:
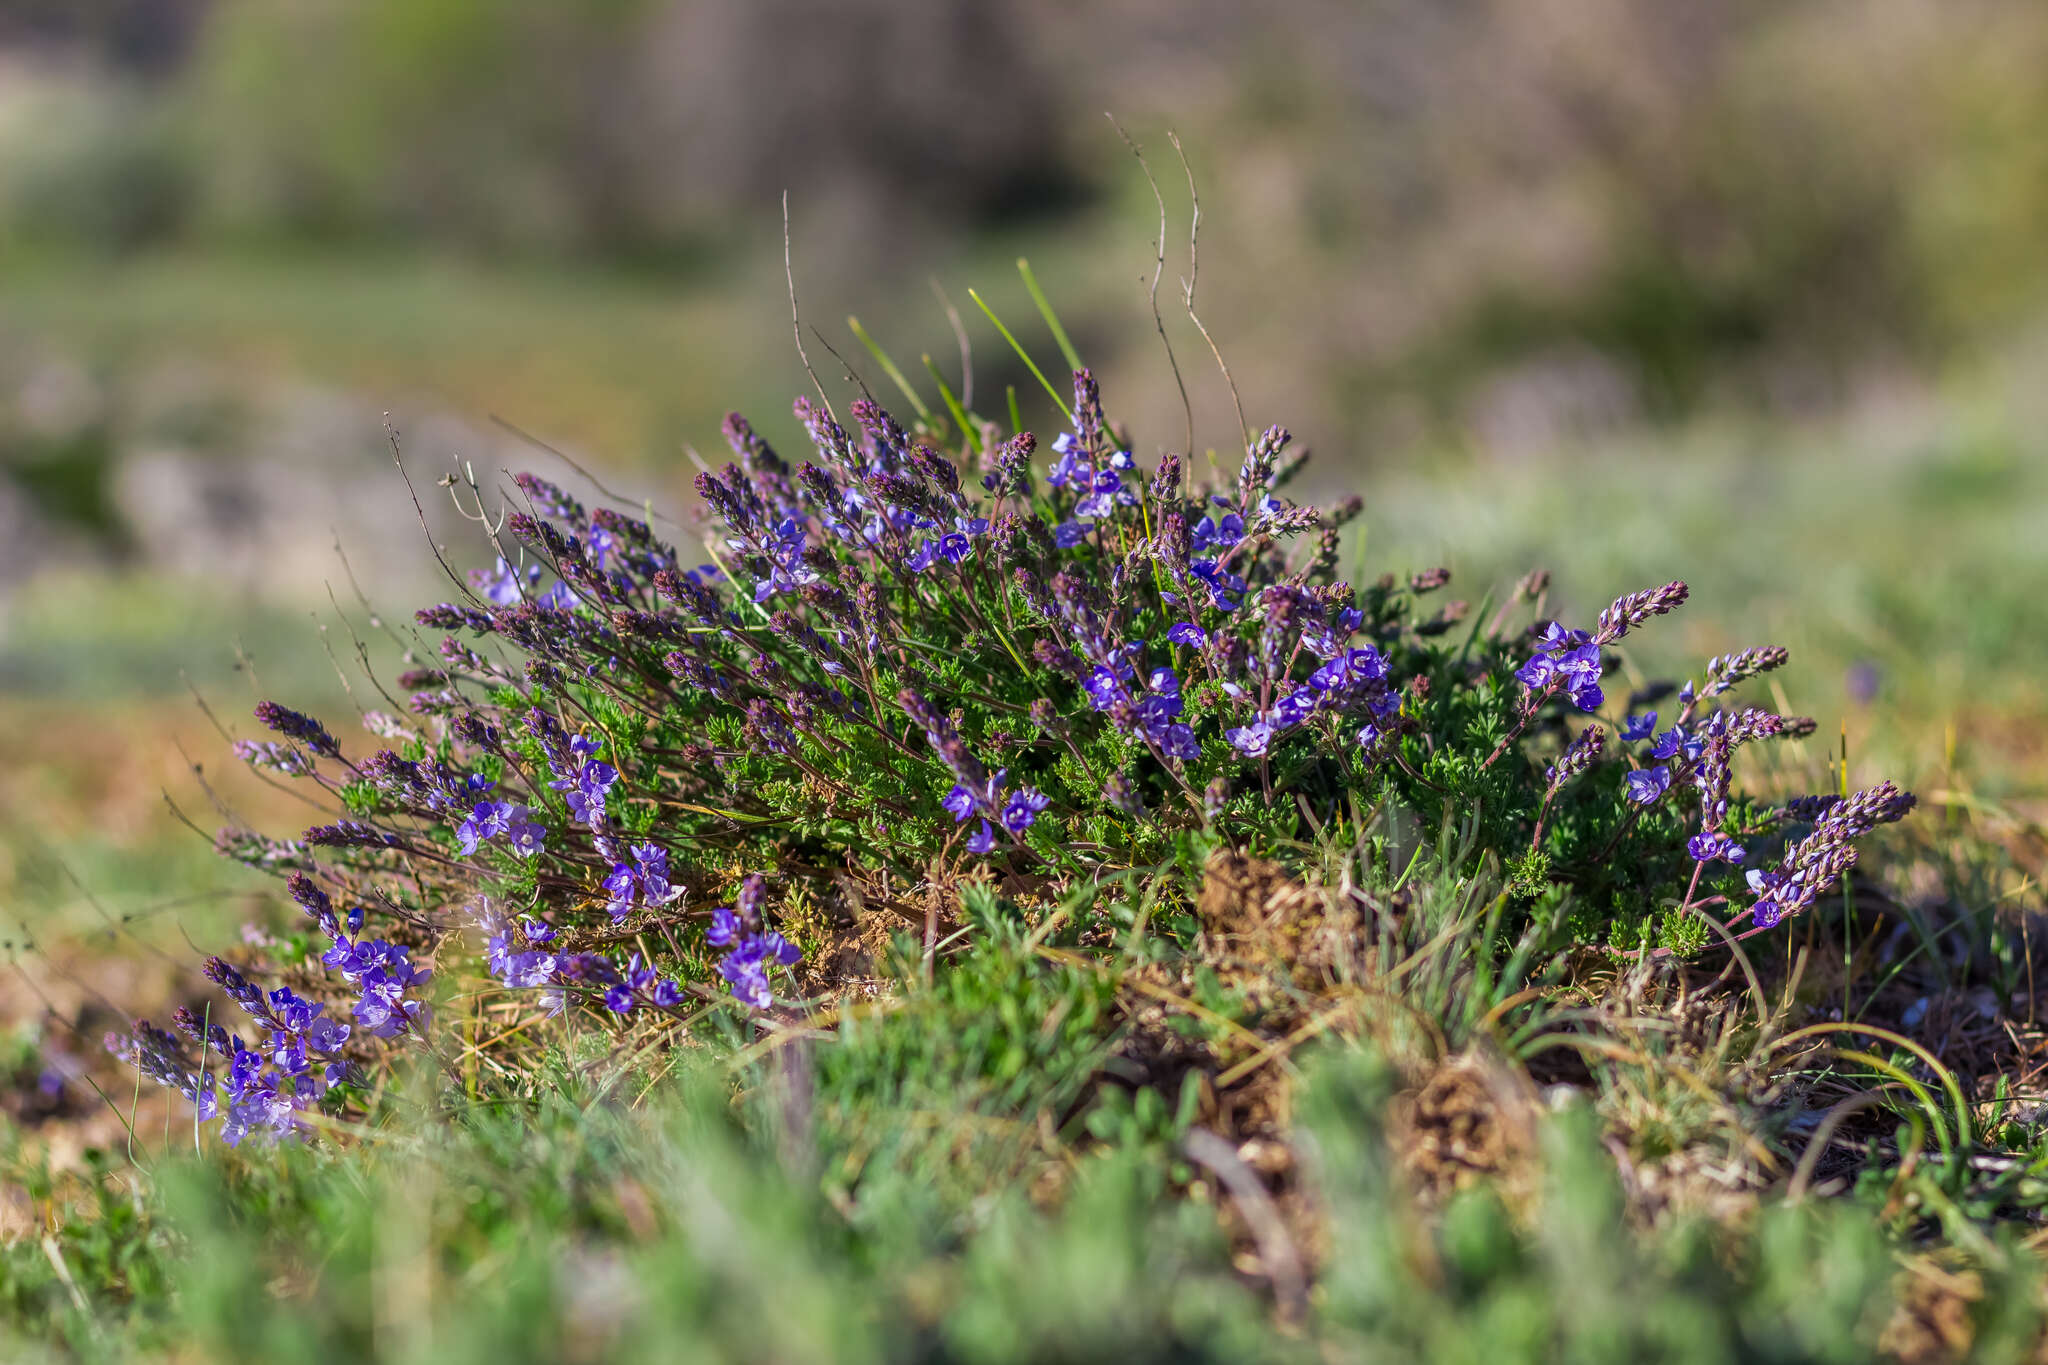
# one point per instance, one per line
(1022, 809)
(1711, 845)
(525, 836)
(1223, 585)
(585, 790)
(487, 820)
(646, 875)
(1352, 669)
(1216, 532)
(1294, 708)
(1645, 785)
(1178, 741)
(1251, 740)
(746, 967)
(1677, 741)
(619, 886)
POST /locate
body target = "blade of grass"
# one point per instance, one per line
(1052, 320)
(952, 404)
(1947, 1077)
(1022, 355)
(1917, 1090)
(1472, 636)
(888, 366)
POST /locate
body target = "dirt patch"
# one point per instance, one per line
(1473, 1119)
(1932, 1322)
(1254, 916)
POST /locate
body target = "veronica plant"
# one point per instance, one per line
(631, 784)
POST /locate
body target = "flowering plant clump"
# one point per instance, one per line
(638, 786)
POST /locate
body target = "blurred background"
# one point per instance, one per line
(1753, 294)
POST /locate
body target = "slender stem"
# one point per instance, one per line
(1691, 887)
(1528, 714)
(1541, 813)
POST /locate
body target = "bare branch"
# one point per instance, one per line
(1187, 287)
(1159, 270)
(796, 325)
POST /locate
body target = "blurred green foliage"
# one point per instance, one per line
(1902, 566)
(1720, 199)
(631, 129)
(564, 1228)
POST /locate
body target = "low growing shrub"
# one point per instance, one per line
(654, 792)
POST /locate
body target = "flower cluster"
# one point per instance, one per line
(1726, 670)
(1820, 860)
(266, 1088)
(1578, 756)
(645, 878)
(489, 819)
(751, 951)
(1713, 846)
(1570, 660)
(528, 967)
(382, 972)
(908, 636)
(1567, 660)
(522, 954)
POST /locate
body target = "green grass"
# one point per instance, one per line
(607, 361)
(591, 1218)
(113, 638)
(627, 367)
